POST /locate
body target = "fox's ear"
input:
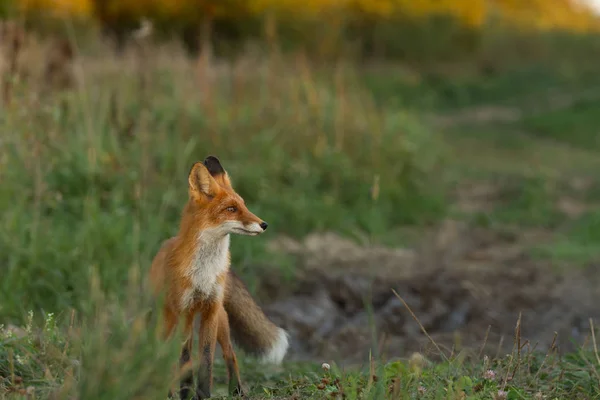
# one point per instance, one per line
(200, 181)
(217, 171)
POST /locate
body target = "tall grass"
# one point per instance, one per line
(95, 178)
(113, 351)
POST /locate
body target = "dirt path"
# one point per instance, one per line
(461, 282)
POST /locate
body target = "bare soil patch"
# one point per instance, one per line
(464, 280)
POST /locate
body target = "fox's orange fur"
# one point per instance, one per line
(192, 271)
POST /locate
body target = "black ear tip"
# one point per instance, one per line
(211, 159)
(214, 165)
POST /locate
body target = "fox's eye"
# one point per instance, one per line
(231, 209)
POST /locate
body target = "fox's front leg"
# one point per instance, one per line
(170, 319)
(207, 343)
(224, 339)
(187, 379)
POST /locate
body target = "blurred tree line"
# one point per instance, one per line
(410, 29)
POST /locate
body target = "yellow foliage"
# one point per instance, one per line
(537, 14)
(58, 7)
(307, 8)
(137, 8)
(470, 12)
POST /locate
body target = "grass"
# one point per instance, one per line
(95, 179)
(577, 243)
(527, 86)
(107, 357)
(575, 126)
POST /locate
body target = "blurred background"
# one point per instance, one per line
(446, 149)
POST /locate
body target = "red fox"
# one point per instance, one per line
(192, 271)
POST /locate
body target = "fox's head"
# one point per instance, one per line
(213, 204)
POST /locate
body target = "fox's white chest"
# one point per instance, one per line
(210, 261)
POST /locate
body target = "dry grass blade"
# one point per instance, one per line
(587, 362)
(518, 344)
(421, 325)
(485, 339)
(594, 341)
(550, 350)
(516, 347)
(69, 335)
(500, 343)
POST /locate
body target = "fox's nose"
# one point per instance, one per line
(264, 225)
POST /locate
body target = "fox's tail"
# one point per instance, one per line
(250, 327)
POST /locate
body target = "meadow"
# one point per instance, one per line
(94, 176)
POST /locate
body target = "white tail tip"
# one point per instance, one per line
(276, 353)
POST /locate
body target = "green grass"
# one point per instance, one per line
(576, 125)
(577, 243)
(521, 86)
(528, 202)
(121, 358)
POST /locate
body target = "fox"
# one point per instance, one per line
(192, 272)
